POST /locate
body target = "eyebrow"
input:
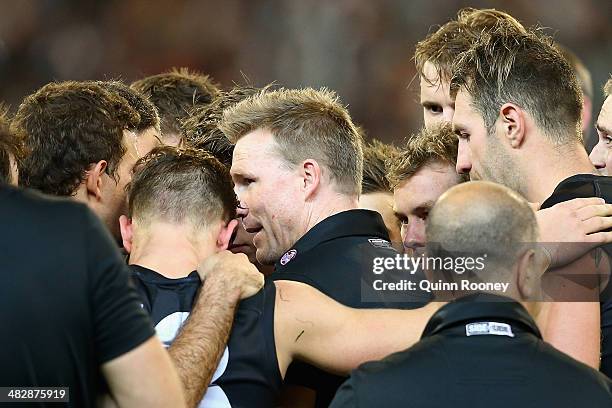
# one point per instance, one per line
(602, 128)
(457, 127)
(427, 205)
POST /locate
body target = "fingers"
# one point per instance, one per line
(578, 203)
(596, 224)
(234, 270)
(589, 211)
(600, 238)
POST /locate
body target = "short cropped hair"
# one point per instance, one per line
(377, 156)
(444, 45)
(11, 145)
(435, 144)
(200, 129)
(179, 185)
(175, 94)
(581, 71)
(468, 233)
(607, 88)
(305, 123)
(140, 103)
(526, 69)
(68, 126)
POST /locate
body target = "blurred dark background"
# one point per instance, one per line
(360, 48)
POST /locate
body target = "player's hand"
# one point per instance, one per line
(570, 229)
(231, 272)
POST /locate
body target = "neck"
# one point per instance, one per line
(170, 250)
(333, 204)
(551, 166)
(533, 308)
(109, 217)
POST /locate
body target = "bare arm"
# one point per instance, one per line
(158, 387)
(570, 320)
(313, 327)
(197, 349)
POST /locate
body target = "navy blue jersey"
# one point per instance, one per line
(589, 185)
(248, 374)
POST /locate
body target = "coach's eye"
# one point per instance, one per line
(608, 139)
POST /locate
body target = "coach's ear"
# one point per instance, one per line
(311, 176)
(512, 119)
(226, 234)
(94, 181)
(125, 225)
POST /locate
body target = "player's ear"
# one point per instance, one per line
(310, 172)
(125, 225)
(94, 180)
(226, 234)
(512, 120)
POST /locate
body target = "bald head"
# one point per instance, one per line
(477, 218)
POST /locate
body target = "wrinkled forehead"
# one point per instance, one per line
(254, 150)
(604, 120)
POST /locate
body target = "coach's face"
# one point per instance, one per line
(270, 191)
(601, 156)
(482, 156)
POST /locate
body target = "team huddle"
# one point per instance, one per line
(226, 247)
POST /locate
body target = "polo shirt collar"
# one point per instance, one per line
(355, 222)
(480, 306)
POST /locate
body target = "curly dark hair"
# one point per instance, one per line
(377, 157)
(200, 130)
(177, 184)
(11, 146)
(175, 94)
(67, 127)
(139, 102)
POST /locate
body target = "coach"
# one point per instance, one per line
(482, 349)
(297, 168)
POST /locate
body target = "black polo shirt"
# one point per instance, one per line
(336, 257)
(585, 186)
(479, 351)
(66, 307)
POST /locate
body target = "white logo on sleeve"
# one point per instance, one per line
(488, 328)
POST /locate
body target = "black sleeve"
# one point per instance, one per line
(345, 397)
(120, 324)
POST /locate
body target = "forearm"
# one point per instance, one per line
(570, 320)
(199, 346)
(573, 328)
(365, 336)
